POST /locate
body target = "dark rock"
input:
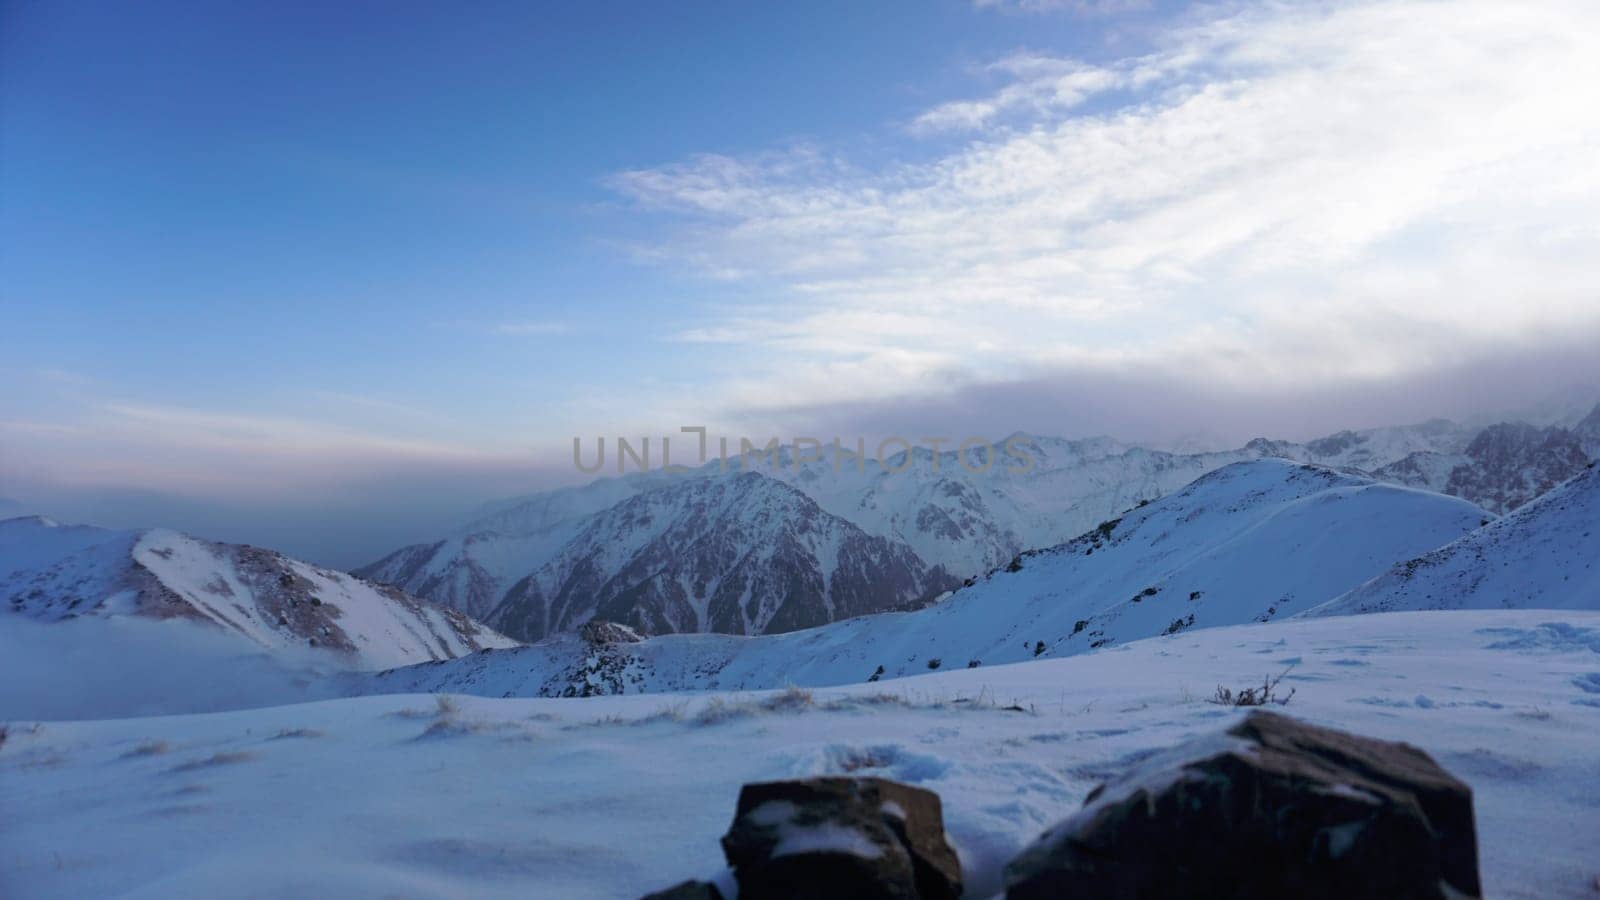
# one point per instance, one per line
(599, 631)
(1270, 808)
(1513, 462)
(688, 890)
(863, 838)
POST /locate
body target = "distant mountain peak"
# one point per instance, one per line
(50, 571)
(961, 515)
(1252, 541)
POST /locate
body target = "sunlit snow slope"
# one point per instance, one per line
(1249, 542)
(50, 572)
(1545, 555)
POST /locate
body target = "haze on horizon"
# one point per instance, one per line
(322, 279)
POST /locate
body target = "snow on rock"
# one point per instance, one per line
(1273, 807)
(617, 796)
(1250, 542)
(741, 555)
(52, 572)
(1588, 431)
(847, 837)
(951, 511)
(1545, 555)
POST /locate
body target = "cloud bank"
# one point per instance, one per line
(1293, 196)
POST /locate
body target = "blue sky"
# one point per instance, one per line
(270, 264)
(246, 206)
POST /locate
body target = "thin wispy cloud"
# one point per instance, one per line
(1038, 85)
(372, 404)
(1292, 194)
(183, 448)
(531, 328)
(198, 429)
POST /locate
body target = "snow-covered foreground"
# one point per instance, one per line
(406, 796)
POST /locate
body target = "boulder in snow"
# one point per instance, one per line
(1272, 807)
(600, 631)
(840, 837)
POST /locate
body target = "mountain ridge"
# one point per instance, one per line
(959, 512)
(1544, 555)
(50, 571)
(1250, 542)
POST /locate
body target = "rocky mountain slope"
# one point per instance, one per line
(745, 554)
(50, 571)
(1545, 555)
(1248, 543)
(1504, 465)
(1588, 431)
(959, 513)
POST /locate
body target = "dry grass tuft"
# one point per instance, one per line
(227, 758)
(148, 748)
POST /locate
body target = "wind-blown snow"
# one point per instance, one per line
(615, 796)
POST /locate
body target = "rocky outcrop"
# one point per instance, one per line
(601, 632)
(1271, 808)
(1512, 463)
(840, 837)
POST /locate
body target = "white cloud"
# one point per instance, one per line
(1040, 85)
(1301, 193)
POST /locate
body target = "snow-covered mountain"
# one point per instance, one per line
(1249, 542)
(472, 568)
(1545, 555)
(1375, 448)
(959, 515)
(50, 572)
(1504, 465)
(1588, 431)
(746, 554)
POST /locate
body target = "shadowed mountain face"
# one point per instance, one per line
(1505, 465)
(1252, 542)
(1510, 464)
(1588, 432)
(540, 564)
(741, 555)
